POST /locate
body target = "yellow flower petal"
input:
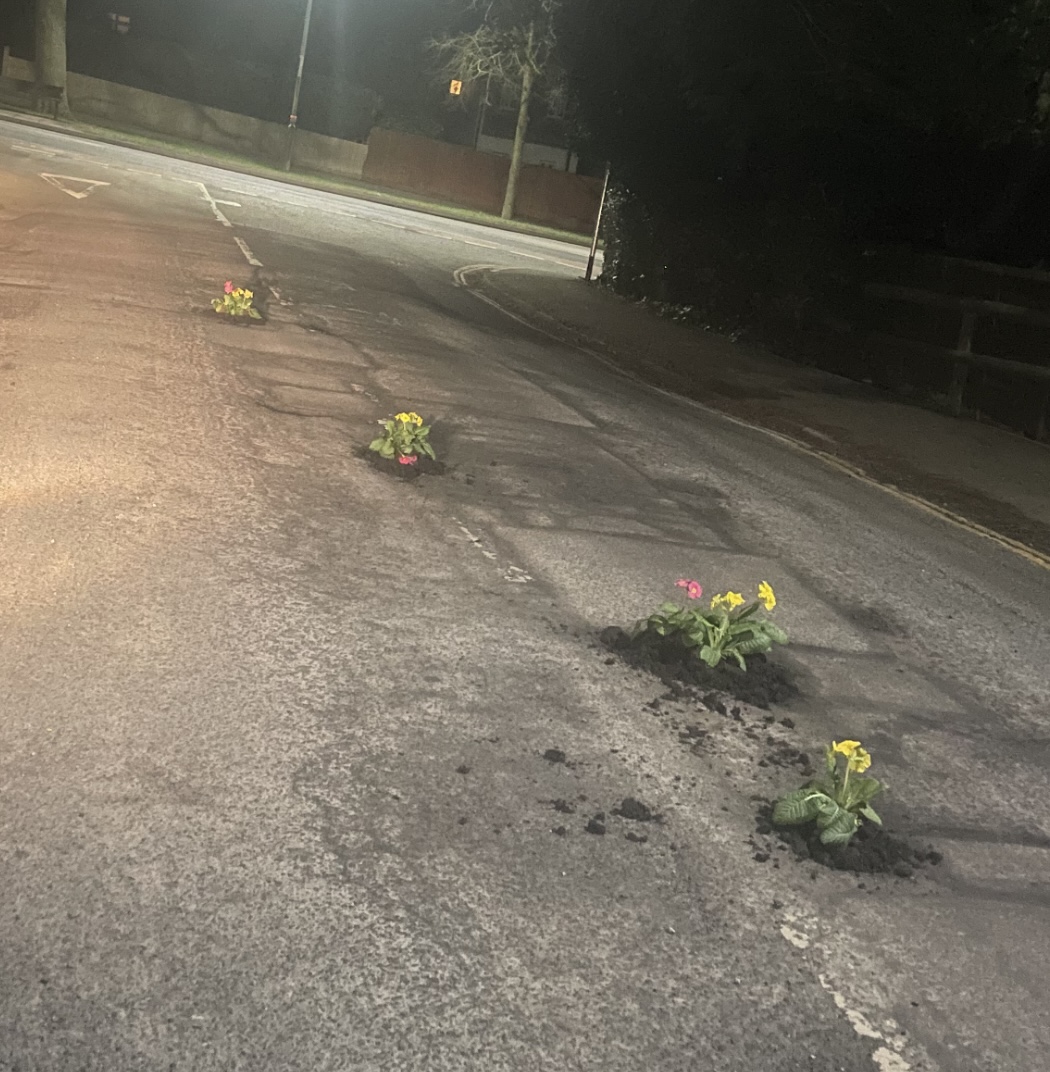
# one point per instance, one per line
(766, 596)
(859, 761)
(734, 599)
(846, 748)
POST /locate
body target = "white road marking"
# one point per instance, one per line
(512, 574)
(211, 201)
(460, 276)
(475, 540)
(25, 148)
(241, 244)
(887, 1057)
(248, 255)
(59, 182)
(796, 938)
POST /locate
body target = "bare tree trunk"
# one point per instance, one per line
(527, 82)
(51, 52)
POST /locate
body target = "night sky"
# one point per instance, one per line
(373, 43)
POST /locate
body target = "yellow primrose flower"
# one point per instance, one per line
(765, 595)
(846, 748)
(248, 294)
(415, 418)
(859, 761)
(729, 600)
(404, 418)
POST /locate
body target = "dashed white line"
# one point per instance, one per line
(248, 255)
(512, 574)
(475, 540)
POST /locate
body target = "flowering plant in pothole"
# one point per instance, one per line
(731, 628)
(836, 801)
(236, 301)
(404, 437)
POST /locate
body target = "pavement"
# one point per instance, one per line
(298, 760)
(978, 474)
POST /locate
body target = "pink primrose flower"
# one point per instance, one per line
(692, 588)
(408, 459)
(229, 286)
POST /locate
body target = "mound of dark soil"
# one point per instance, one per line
(763, 683)
(424, 466)
(636, 811)
(872, 850)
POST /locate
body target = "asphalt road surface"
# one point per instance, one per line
(297, 760)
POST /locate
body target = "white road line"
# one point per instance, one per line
(59, 182)
(228, 204)
(512, 574)
(211, 201)
(475, 540)
(248, 255)
(23, 147)
(887, 1058)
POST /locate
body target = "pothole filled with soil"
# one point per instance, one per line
(763, 683)
(873, 850)
(423, 466)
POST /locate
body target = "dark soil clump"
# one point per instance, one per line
(636, 811)
(554, 755)
(872, 850)
(762, 684)
(424, 466)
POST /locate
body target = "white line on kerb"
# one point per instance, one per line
(248, 255)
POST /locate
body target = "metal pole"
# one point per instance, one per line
(597, 228)
(293, 119)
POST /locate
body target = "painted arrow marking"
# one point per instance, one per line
(59, 182)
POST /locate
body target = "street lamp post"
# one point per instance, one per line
(597, 227)
(293, 118)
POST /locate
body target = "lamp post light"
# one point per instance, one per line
(293, 118)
